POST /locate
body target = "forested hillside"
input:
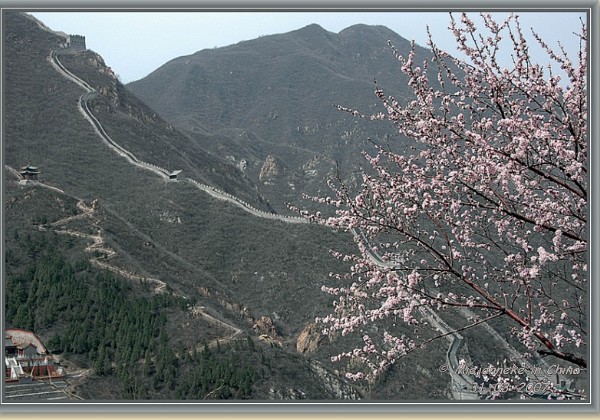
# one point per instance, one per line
(163, 266)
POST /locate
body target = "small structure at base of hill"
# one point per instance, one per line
(25, 357)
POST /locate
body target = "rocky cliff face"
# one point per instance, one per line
(270, 169)
(109, 87)
(332, 386)
(335, 384)
(264, 325)
(309, 339)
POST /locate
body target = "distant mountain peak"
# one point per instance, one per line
(313, 27)
(362, 29)
(312, 31)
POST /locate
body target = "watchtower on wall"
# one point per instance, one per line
(76, 42)
(29, 173)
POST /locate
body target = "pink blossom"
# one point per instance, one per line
(485, 209)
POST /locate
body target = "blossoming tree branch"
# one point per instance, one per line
(485, 209)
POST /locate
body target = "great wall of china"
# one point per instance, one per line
(101, 254)
(162, 172)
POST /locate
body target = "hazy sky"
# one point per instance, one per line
(134, 44)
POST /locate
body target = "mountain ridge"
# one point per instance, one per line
(283, 90)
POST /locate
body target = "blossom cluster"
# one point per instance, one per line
(484, 206)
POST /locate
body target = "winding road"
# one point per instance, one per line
(102, 254)
(200, 311)
(461, 382)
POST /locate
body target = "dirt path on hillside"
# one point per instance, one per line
(101, 253)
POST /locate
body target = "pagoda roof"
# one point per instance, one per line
(30, 169)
